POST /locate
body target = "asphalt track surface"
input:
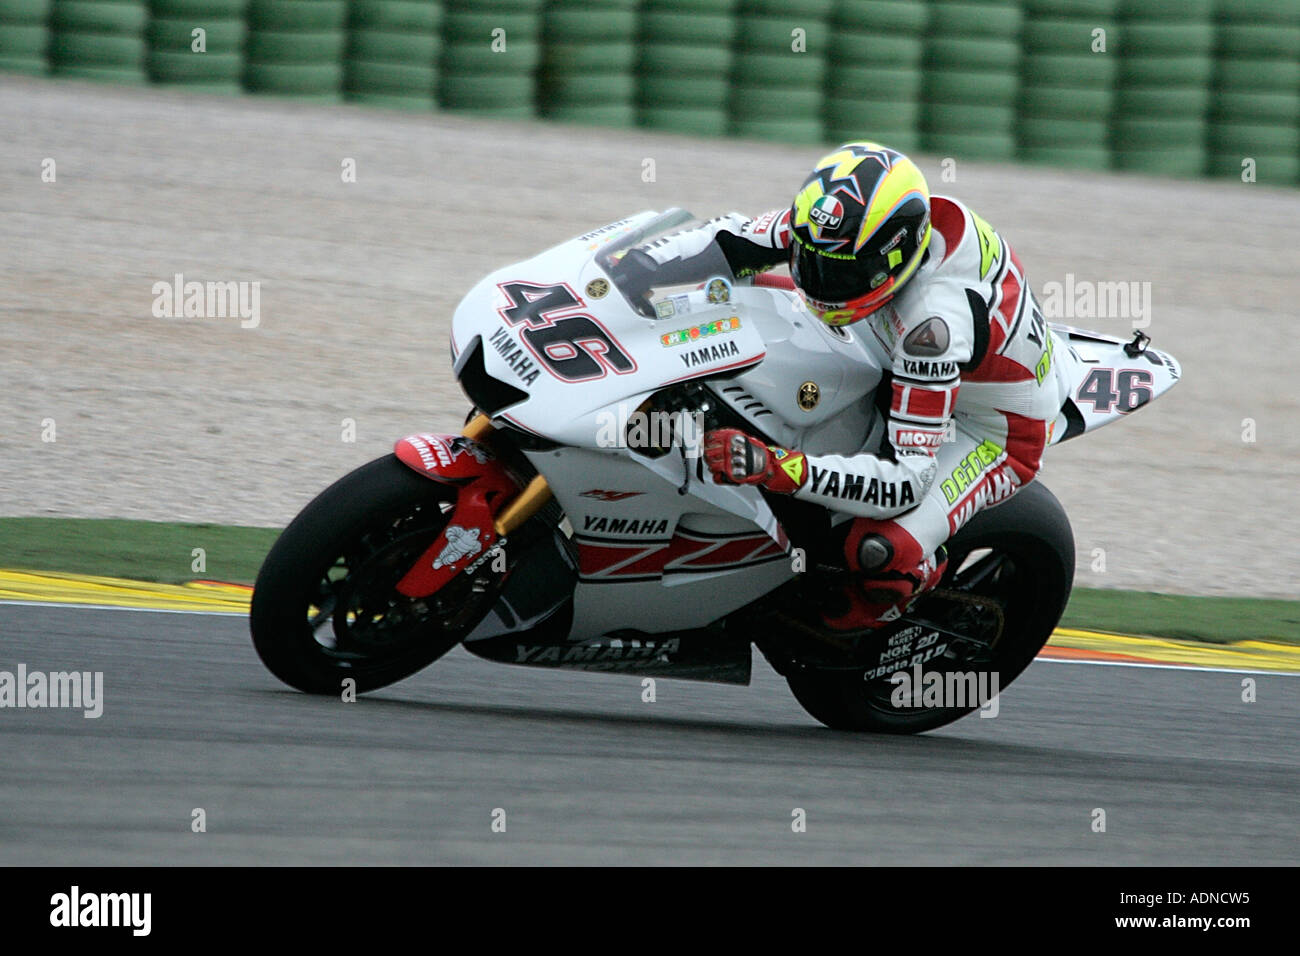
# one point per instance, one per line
(587, 773)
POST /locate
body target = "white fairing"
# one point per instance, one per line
(571, 411)
(1108, 383)
(802, 349)
(661, 548)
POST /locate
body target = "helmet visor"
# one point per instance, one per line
(832, 289)
(827, 278)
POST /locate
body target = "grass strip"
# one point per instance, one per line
(166, 552)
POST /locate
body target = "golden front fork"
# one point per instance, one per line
(478, 428)
(525, 504)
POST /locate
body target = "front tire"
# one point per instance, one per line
(325, 608)
(1019, 555)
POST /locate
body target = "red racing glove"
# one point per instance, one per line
(737, 459)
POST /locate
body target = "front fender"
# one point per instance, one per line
(453, 459)
(484, 486)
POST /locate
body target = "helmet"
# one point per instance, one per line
(860, 227)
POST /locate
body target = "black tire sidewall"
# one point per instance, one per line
(1031, 526)
(381, 490)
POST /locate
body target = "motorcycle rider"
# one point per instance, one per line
(976, 376)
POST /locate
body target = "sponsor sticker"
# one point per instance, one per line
(827, 212)
(709, 353)
(898, 238)
(518, 360)
(673, 305)
(644, 527)
(793, 466)
(605, 230)
(929, 338)
(697, 332)
(461, 543)
(600, 494)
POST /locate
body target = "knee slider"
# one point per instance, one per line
(875, 552)
(874, 547)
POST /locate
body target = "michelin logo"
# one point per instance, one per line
(461, 543)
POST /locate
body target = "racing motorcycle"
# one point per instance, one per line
(573, 524)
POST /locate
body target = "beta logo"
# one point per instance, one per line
(827, 212)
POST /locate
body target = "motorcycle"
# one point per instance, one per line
(573, 524)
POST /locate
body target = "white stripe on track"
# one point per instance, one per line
(1165, 667)
(120, 607)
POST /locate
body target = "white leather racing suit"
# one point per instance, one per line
(977, 378)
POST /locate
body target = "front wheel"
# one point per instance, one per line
(325, 607)
(1009, 576)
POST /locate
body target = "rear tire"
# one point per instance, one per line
(1032, 531)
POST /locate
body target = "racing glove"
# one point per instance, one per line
(738, 459)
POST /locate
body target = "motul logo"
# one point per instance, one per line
(908, 439)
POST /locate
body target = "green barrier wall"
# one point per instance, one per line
(197, 44)
(491, 52)
(1170, 87)
(99, 40)
(394, 53)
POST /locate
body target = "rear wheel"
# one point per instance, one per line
(325, 607)
(1009, 577)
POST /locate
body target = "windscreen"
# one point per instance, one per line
(664, 223)
(642, 286)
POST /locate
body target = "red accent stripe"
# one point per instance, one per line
(782, 231)
(946, 216)
(603, 560)
(1026, 439)
(998, 368)
(1012, 289)
(733, 552)
(1008, 300)
(767, 280)
(754, 360)
(694, 553)
(923, 402)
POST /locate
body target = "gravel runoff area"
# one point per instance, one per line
(200, 419)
